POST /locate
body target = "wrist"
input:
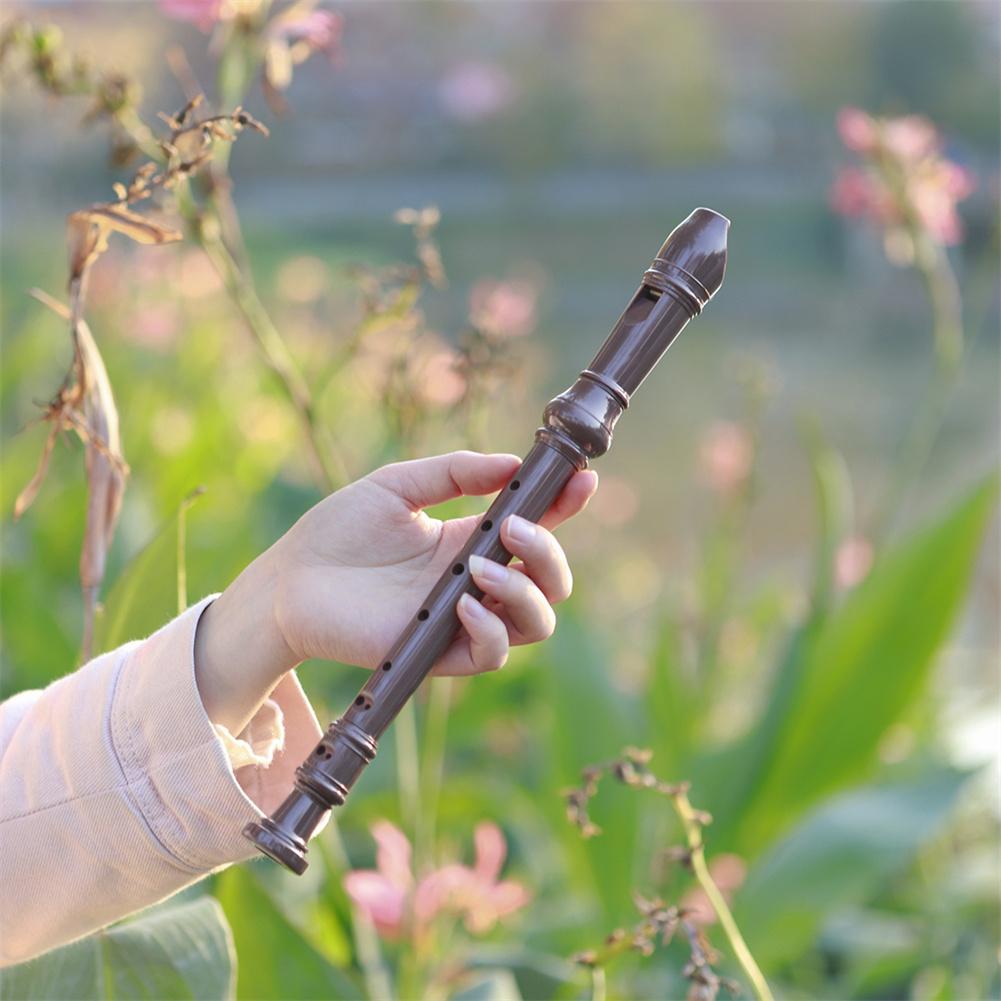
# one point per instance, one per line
(240, 652)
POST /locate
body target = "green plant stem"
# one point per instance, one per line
(409, 783)
(330, 468)
(377, 980)
(599, 985)
(943, 293)
(432, 767)
(407, 770)
(182, 545)
(693, 838)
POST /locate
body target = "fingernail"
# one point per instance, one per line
(487, 570)
(472, 606)
(520, 529)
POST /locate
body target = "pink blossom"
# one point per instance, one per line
(394, 899)
(382, 892)
(912, 137)
(319, 30)
(852, 561)
(905, 181)
(857, 192)
(439, 379)
(155, 326)
(857, 129)
(726, 457)
(203, 13)
(472, 91)
(503, 309)
(728, 873)
(616, 502)
(934, 192)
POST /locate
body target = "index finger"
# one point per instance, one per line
(579, 490)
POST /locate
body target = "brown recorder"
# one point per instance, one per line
(576, 427)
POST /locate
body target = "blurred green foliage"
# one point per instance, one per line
(184, 950)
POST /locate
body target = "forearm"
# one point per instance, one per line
(117, 791)
(240, 654)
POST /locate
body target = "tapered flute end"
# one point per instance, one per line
(697, 247)
(273, 842)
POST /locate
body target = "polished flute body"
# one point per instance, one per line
(576, 427)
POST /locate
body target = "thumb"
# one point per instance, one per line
(423, 482)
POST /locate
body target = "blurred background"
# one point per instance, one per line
(769, 594)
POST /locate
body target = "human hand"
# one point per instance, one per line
(348, 576)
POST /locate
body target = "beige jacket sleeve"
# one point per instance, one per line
(116, 790)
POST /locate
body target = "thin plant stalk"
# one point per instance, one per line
(330, 468)
(432, 766)
(942, 289)
(377, 980)
(182, 546)
(408, 772)
(693, 838)
(599, 984)
(660, 921)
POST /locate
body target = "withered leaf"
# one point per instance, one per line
(27, 496)
(88, 230)
(85, 404)
(137, 227)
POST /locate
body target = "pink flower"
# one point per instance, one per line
(857, 129)
(439, 379)
(394, 900)
(852, 561)
(472, 91)
(905, 183)
(204, 13)
(857, 192)
(616, 502)
(728, 873)
(476, 893)
(382, 892)
(934, 192)
(910, 138)
(503, 309)
(319, 30)
(155, 326)
(294, 36)
(726, 456)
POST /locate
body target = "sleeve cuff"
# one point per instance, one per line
(259, 742)
(192, 793)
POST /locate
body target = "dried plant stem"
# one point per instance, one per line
(329, 466)
(696, 854)
(661, 921)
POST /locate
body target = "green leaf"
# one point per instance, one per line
(851, 675)
(174, 951)
(833, 486)
(673, 699)
(145, 594)
(489, 985)
(839, 856)
(275, 960)
(591, 722)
